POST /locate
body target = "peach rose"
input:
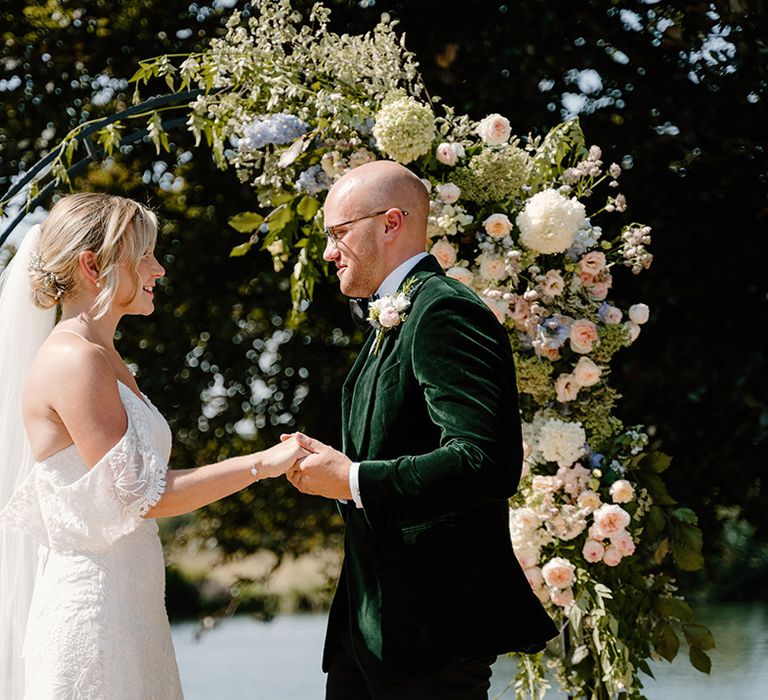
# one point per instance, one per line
(586, 372)
(497, 225)
(461, 274)
(566, 388)
(589, 500)
(535, 579)
(592, 551)
(611, 519)
(563, 599)
(592, 263)
(622, 491)
(624, 543)
(492, 267)
(558, 572)
(612, 556)
(494, 130)
(545, 484)
(553, 284)
(583, 336)
(527, 557)
(445, 253)
(500, 308)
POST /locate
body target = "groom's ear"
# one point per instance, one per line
(394, 220)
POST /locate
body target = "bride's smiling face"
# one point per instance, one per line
(136, 290)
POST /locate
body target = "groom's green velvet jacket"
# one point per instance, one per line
(430, 580)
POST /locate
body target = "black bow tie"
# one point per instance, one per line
(359, 310)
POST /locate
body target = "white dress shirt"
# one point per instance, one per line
(390, 285)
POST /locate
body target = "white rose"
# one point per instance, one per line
(586, 372)
(589, 500)
(445, 253)
(611, 519)
(462, 274)
(497, 225)
(622, 491)
(558, 572)
(566, 388)
(448, 192)
(449, 153)
(633, 329)
(549, 221)
(494, 130)
(492, 267)
(639, 313)
(561, 441)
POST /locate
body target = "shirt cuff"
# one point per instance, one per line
(354, 483)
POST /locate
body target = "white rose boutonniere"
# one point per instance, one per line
(390, 311)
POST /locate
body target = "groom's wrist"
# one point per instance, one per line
(354, 483)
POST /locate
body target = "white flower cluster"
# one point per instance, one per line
(549, 222)
(404, 129)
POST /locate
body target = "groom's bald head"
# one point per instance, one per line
(371, 248)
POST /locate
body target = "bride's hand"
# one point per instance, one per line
(278, 459)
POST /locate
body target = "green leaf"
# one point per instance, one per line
(657, 462)
(665, 641)
(308, 207)
(240, 250)
(657, 489)
(674, 607)
(661, 551)
(246, 221)
(686, 542)
(699, 660)
(685, 515)
(699, 636)
(279, 218)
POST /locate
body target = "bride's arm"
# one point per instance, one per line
(82, 394)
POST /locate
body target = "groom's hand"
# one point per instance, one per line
(324, 472)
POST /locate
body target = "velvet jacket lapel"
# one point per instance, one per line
(363, 378)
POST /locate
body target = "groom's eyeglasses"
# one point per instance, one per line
(334, 236)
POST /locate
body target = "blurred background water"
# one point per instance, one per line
(280, 660)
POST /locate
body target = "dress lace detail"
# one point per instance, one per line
(98, 628)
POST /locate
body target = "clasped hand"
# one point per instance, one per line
(323, 472)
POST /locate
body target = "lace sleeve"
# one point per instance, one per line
(90, 512)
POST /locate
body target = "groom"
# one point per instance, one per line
(430, 590)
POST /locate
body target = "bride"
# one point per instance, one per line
(84, 465)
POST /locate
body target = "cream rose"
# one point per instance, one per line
(552, 285)
(583, 336)
(589, 500)
(445, 253)
(563, 599)
(449, 192)
(592, 551)
(639, 313)
(545, 484)
(492, 267)
(633, 329)
(622, 491)
(494, 130)
(389, 317)
(527, 557)
(497, 225)
(612, 556)
(500, 308)
(461, 274)
(586, 372)
(449, 153)
(535, 579)
(611, 519)
(558, 572)
(566, 388)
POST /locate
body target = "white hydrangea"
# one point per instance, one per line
(562, 442)
(404, 129)
(548, 222)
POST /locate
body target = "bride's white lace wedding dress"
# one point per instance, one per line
(97, 627)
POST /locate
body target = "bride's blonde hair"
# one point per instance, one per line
(114, 228)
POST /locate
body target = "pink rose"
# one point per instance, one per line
(583, 336)
(563, 599)
(598, 290)
(610, 315)
(527, 557)
(552, 285)
(389, 318)
(611, 519)
(566, 388)
(592, 551)
(558, 572)
(448, 192)
(586, 372)
(624, 543)
(494, 130)
(612, 556)
(535, 579)
(592, 263)
(500, 308)
(449, 153)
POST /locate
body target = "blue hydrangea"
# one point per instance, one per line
(586, 238)
(313, 180)
(276, 129)
(551, 333)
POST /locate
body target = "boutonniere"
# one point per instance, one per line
(390, 311)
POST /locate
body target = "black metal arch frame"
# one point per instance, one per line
(94, 153)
